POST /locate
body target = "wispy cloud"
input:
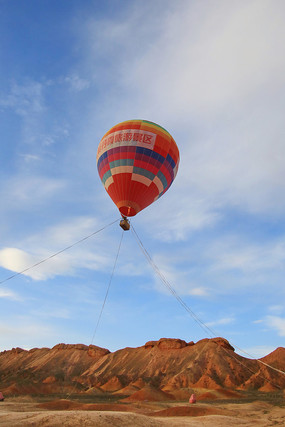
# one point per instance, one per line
(276, 323)
(182, 216)
(46, 312)
(92, 256)
(7, 293)
(39, 127)
(223, 321)
(257, 351)
(210, 63)
(218, 94)
(277, 309)
(178, 279)
(23, 191)
(25, 100)
(30, 157)
(199, 291)
(77, 83)
(18, 261)
(237, 253)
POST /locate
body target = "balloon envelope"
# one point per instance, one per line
(137, 161)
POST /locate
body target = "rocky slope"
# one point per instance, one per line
(159, 370)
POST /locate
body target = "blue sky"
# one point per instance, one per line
(212, 74)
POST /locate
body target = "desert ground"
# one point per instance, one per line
(33, 411)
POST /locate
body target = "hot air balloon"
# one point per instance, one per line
(137, 161)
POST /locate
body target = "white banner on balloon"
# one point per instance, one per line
(126, 137)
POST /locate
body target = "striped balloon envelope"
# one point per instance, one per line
(137, 161)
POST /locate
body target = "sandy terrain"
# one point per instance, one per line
(16, 412)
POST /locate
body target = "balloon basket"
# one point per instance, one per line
(125, 224)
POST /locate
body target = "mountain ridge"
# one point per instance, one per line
(169, 368)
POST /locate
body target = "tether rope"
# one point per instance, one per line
(103, 305)
(192, 314)
(56, 253)
(170, 288)
(108, 288)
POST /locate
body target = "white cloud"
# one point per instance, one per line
(38, 126)
(25, 99)
(199, 292)
(6, 293)
(17, 260)
(43, 267)
(176, 215)
(131, 266)
(42, 249)
(70, 230)
(76, 83)
(214, 55)
(238, 164)
(60, 313)
(277, 323)
(277, 309)
(223, 321)
(175, 277)
(257, 351)
(23, 192)
(58, 133)
(212, 73)
(30, 157)
(239, 254)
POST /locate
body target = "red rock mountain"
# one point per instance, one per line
(159, 370)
